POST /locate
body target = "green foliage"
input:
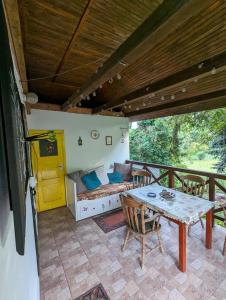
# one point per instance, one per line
(178, 139)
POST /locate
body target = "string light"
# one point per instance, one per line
(162, 98)
(147, 89)
(118, 76)
(82, 96)
(137, 108)
(184, 90)
(201, 65)
(94, 94)
(195, 79)
(213, 71)
(152, 94)
(144, 104)
(88, 97)
(111, 80)
(100, 86)
(172, 97)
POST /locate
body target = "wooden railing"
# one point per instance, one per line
(173, 173)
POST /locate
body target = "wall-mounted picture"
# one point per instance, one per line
(108, 140)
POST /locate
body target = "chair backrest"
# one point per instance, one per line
(134, 213)
(193, 185)
(224, 210)
(141, 178)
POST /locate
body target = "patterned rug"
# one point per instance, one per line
(96, 293)
(110, 221)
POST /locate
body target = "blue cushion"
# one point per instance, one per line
(91, 181)
(115, 177)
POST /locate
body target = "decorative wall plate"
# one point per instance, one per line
(95, 134)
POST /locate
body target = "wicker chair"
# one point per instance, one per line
(141, 178)
(139, 225)
(193, 185)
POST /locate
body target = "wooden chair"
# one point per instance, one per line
(193, 185)
(224, 247)
(141, 178)
(139, 225)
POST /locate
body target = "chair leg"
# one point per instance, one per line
(142, 251)
(160, 241)
(126, 239)
(189, 230)
(201, 221)
(224, 248)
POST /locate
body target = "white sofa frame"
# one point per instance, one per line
(83, 209)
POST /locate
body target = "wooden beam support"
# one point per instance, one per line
(180, 78)
(14, 27)
(197, 103)
(76, 110)
(76, 32)
(165, 19)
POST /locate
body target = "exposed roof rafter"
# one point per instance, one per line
(177, 106)
(217, 62)
(152, 31)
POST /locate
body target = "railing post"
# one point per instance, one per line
(171, 179)
(212, 192)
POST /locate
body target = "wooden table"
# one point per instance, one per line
(183, 210)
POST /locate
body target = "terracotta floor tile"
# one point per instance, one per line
(75, 257)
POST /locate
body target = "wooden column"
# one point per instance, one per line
(182, 247)
(171, 179)
(212, 193)
(209, 217)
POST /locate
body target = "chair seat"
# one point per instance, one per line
(148, 225)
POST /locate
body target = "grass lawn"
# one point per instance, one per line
(202, 165)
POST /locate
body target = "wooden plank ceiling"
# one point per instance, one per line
(140, 58)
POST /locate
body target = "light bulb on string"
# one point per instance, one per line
(110, 80)
(100, 86)
(184, 90)
(213, 71)
(172, 97)
(162, 98)
(94, 94)
(88, 97)
(119, 77)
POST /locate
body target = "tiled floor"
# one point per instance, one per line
(76, 256)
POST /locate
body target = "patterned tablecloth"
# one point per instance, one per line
(184, 208)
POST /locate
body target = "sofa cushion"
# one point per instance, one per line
(115, 177)
(105, 190)
(76, 177)
(91, 181)
(101, 174)
(124, 169)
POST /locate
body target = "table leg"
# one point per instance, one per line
(209, 217)
(182, 247)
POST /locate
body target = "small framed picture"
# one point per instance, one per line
(108, 140)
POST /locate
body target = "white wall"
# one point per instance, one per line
(93, 152)
(18, 274)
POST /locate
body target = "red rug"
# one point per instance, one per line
(110, 221)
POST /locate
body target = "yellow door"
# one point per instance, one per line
(48, 162)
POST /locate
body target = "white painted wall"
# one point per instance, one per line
(93, 152)
(18, 274)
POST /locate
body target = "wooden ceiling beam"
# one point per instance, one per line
(176, 106)
(76, 110)
(15, 34)
(197, 107)
(165, 19)
(197, 71)
(76, 33)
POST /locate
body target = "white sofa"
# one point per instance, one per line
(85, 208)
